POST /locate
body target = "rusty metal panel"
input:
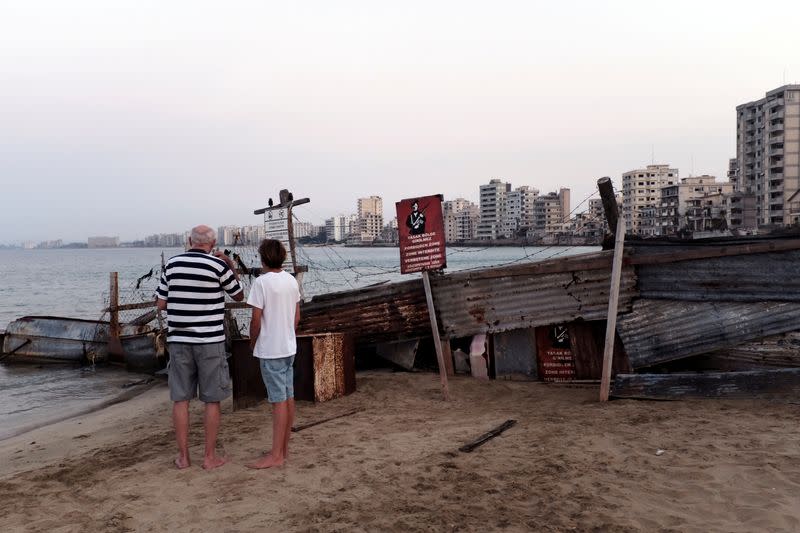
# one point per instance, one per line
(783, 382)
(776, 351)
(515, 354)
(741, 278)
(657, 331)
(372, 314)
(493, 300)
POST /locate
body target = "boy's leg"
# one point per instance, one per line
(275, 457)
(290, 405)
(289, 422)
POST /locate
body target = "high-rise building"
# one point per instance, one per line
(694, 204)
(493, 198)
(370, 218)
(768, 158)
(551, 212)
(642, 188)
(336, 228)
(460, 219)
(519, 210)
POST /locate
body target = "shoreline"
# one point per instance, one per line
(570, 463)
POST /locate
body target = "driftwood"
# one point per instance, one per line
(483, 439)
(301, 427)
(749, 384)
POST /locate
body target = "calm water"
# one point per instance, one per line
(75, 283)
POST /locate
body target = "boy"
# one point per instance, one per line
(275, 299)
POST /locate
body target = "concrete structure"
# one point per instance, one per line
(551, 212)
(103, 242)
(693, 204)
(518, 215)
(768, 158)
(493, 198)
(370, 219)
(337, 228)
(642, 188)
(461, 218)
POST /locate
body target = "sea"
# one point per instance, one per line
(75, 283)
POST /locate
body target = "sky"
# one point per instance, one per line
(127, 118)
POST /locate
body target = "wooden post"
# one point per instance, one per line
(611, 321)
(610, 207)
(114, 343)
(290, 227)
(436, 340)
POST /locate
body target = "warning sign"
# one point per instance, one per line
(421, 231)
(554, 354)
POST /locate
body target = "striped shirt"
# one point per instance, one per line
(192, 283)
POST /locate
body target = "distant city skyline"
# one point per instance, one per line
(129, 117)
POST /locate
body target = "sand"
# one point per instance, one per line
(570, 464)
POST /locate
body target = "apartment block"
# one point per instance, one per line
(768, 159)
(461, 218)
(337, 228)
(551, 212)
(519, 210)
(642, 188)
(493, 206)
(694, 204)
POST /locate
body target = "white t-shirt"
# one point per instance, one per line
(276, 294)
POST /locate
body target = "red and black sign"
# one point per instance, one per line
(554, 354)
(421, 231)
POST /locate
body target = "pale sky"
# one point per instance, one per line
(135, 117)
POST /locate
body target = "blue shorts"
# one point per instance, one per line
(278, 376)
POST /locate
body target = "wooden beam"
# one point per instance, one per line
(114, 343)
(486, 437)
(301, 427)
(609, 199)
(437, 342)
(611, 322)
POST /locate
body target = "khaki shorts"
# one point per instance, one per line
(203, 366)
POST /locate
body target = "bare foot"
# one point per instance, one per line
(211, 463)
(182, 462)
(267, 461)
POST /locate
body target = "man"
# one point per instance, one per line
(415, 220)
(191, 291)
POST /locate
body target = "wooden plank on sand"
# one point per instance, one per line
(486, 437)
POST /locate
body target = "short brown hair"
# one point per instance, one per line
(272, 253)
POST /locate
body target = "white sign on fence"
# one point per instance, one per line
(276, 226)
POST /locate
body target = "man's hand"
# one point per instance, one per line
(228, 261)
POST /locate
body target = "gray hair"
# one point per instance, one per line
(203, 235)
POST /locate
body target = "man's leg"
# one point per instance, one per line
(180, 419)
(211, 418)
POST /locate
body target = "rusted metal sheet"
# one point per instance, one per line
(47, 339)
(488, 300)
(657, 331)
(495, 300)
(515, 354)
(649, 252)
(776, 351)
(750, 384)
(373, 314)
(742, 278)
(401, 353)
(587, 340)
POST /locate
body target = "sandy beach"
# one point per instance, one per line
(570, 464)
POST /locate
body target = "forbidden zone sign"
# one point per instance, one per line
(421, 231)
